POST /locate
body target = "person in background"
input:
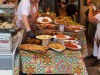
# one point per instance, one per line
(27, 14)
(63, 3)
(95, 19)
(62, 6)
(88, 26)
(71, 10)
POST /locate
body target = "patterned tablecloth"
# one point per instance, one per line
(50, 62)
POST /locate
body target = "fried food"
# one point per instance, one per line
(45, 20)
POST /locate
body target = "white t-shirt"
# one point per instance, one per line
(98, 16)
(23, 8)
(98, 23)
(97, 35)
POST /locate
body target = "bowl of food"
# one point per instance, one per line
(73, 46)
(44, 20)
(45, 39)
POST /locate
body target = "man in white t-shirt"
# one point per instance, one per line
(95, 19)
(26, 9)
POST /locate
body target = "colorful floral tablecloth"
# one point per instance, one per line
(50, 62)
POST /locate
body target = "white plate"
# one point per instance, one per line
(71, 38)
(41, 18)
(73, 41)
(75, 49)
(58, 50)
(57, 47)
(61, 38)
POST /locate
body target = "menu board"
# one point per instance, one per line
(5, 42)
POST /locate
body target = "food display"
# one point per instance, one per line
(50, 32)
(72, 46)
(32, 41)
(44, 20)
(33, 47)
(62, 20)
(61, 36)
(6, 25)
(46, 26)
(74, 27)
(59, 21)
(71, 38)
(57, 47)
(44, 37)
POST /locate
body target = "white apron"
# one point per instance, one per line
(96, 51)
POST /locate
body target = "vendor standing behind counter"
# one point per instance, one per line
(27, 14)
(71, 10)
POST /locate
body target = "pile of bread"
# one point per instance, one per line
(6, 25)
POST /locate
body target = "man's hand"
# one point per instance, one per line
(31, 34)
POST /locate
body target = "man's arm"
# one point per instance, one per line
(91, 17)
(25, 22)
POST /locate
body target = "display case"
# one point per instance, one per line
(9, 40)
(7, 12)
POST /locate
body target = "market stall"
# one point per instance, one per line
(46, 59)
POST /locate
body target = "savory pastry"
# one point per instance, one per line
(57, 46)
(33, 47)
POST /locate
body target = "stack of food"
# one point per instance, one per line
(33, 47)
(44, 37)
(61, 36)
(32, 41)
(62, 20)
(57, 47)
(50, 32)
(73, 26)
(72, 46)
(46, 26)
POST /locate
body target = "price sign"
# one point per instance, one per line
(5, 42)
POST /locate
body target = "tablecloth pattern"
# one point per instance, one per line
(51, 62)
